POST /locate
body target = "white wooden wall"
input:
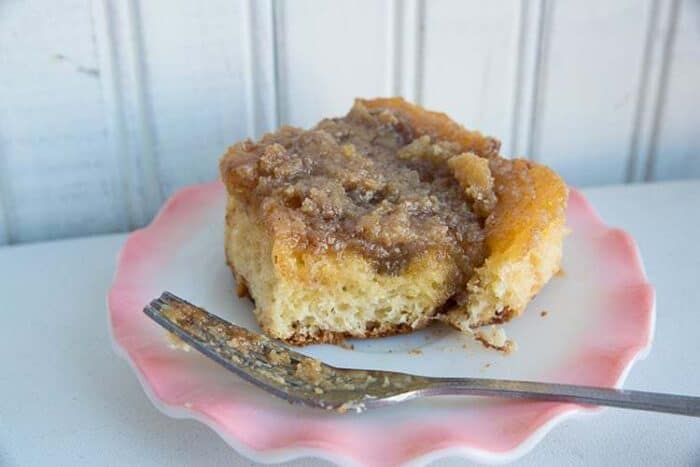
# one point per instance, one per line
(108, 106)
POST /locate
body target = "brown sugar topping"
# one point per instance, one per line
(366, 182)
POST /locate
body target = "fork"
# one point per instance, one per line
(304, 380)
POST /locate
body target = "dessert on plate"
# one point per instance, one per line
(387, 219)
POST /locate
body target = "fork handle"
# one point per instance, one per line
(641, 400)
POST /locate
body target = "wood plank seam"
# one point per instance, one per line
(280, 79)
(646, 109)
(540, 78)
(518, 84)
(111, 84)
(406, 49)
(634, 158)
(263, 50)
(5, 231)
(392, 52)
(662, 90)
(152, 189)
(248, 57)
(525, 75)
(419, 51)
(257, 23)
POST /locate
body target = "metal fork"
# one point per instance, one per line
(304, 380)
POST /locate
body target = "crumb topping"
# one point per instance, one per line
(367, 182)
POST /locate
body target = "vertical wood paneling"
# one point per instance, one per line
(328, 53)
(194, 54)
(675, 152)
(470, 63)
(107, 107)
(594, 54)
(59, 175)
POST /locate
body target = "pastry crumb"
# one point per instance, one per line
(544, 313)
(278, 358)
(310, 370)
(176, 343)
(415, 352)
(495, 338)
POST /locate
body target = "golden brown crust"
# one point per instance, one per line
(531, 197)
(438, 125)
(334, 337)
(241, 286)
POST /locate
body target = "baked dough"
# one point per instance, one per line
(385, 220)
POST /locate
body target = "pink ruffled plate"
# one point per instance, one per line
(599, 319)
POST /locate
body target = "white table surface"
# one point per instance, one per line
(67, 399)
